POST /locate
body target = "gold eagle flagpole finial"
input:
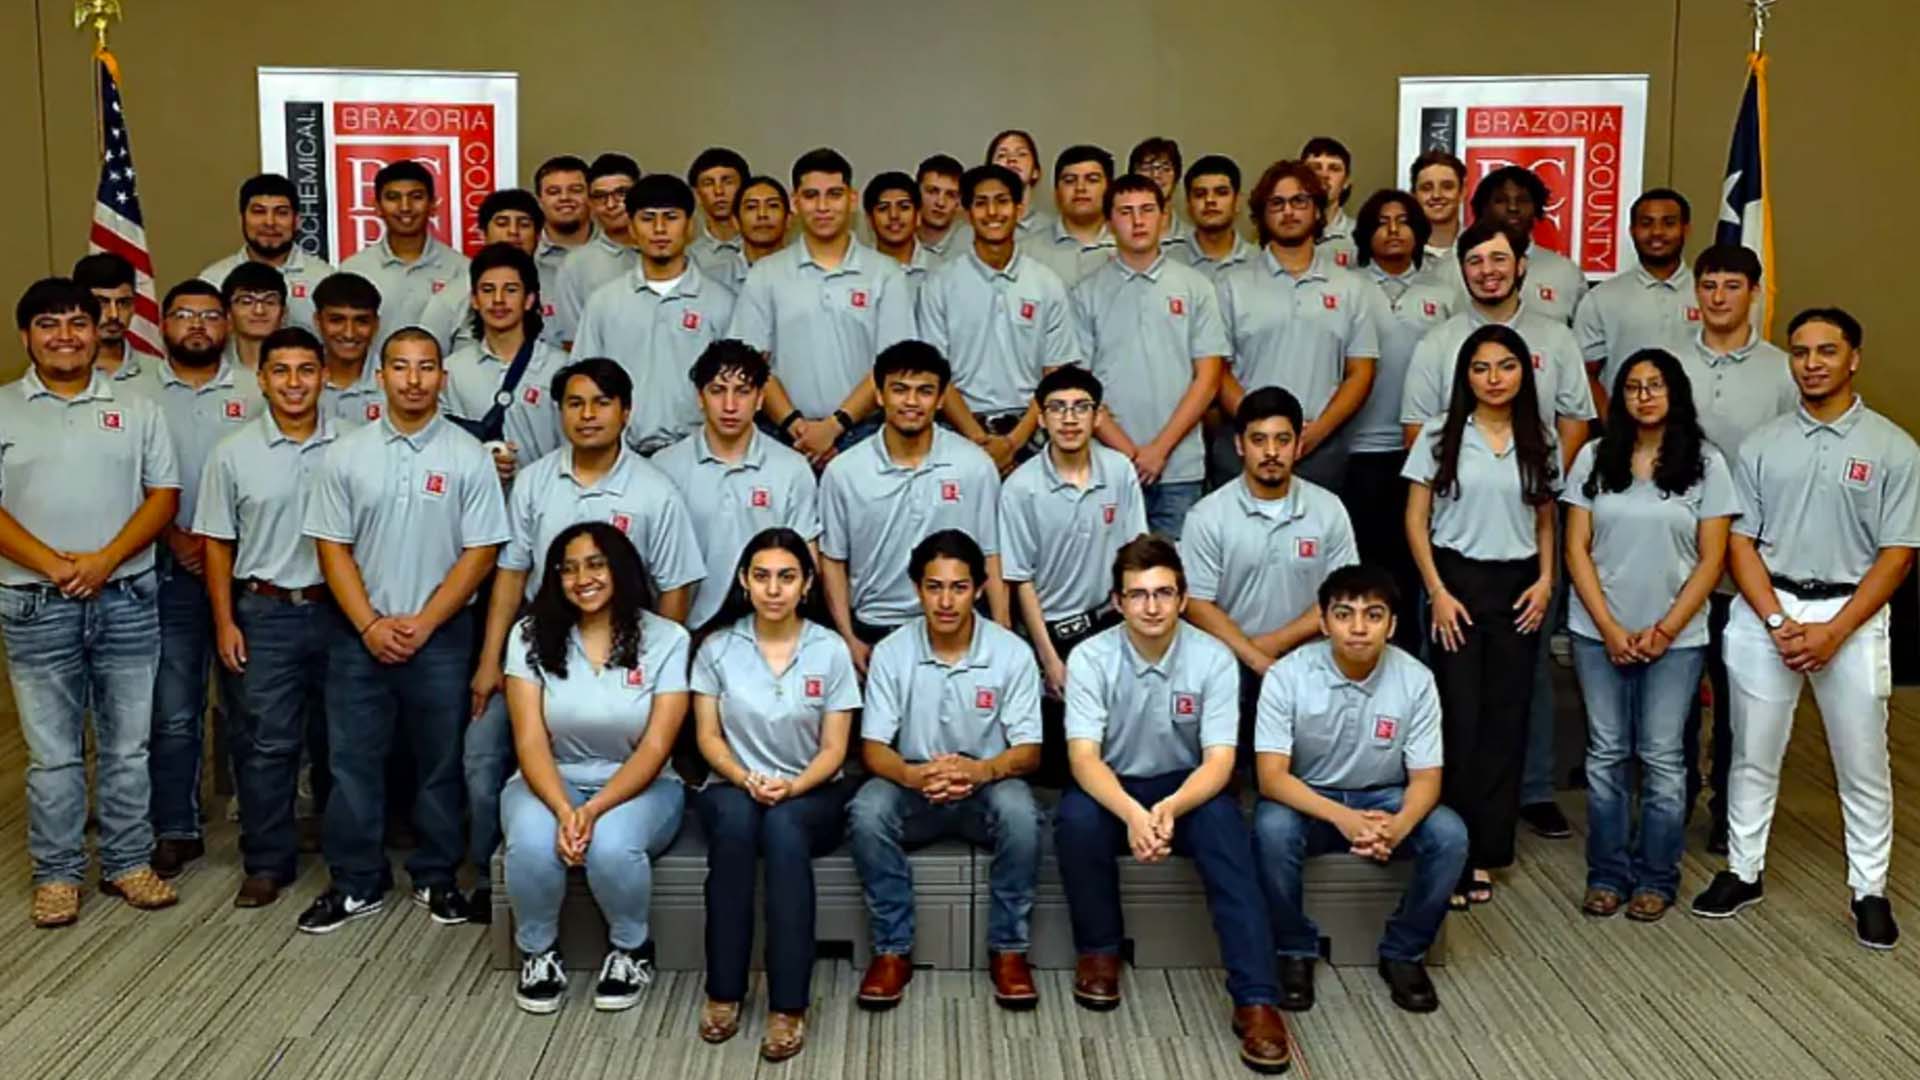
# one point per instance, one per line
(98, 14)
(1762, 11)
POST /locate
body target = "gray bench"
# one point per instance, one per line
(943, 906)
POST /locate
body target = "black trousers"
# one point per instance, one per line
(1376, 498)
(1720, 607)
(1486, 690)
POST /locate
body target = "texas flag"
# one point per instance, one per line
(1746, 206)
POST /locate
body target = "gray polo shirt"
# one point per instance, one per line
(449, 318)
(1297, 332)
(1822, 500)
(198, 418)
(873, 512)
(1735, 393)
(1066, 254)
(823, 327)
(1405, 309)
(406, 288)
(532, 421)
(410, 506)
(582, 272)
(634, 497)
(1559, 375)
(957, 242)
(981, 706)
(656, 338)
(1634, 310)
(1337, 238)
(595, 719)
(1153, 718)
(74, 470)
(1000, 329)
(772, 720)
(1262, 560)
(1188, 251)
(918, 267)
(254, 494)
(714, 256)
(1646, 543)
(1484, 517)
(1063, 537)
(364, 402)
(730, 503)
(1145, 329)
(1349, 735)
(549, 257)
(302, 273)
(1553, 286)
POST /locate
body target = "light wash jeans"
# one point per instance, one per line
(619, 859)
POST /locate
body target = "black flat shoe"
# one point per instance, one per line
(1296, 983)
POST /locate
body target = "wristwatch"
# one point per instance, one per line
(1776, 620)
(845, 421)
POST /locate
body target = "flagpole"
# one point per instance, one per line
(1762, 11)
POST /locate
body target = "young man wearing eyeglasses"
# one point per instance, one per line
(270, 227)
(605, 257)
(255, 296)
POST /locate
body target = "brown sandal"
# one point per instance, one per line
(786, 1035)
(56, 903)
(719, 1021)
(1602, 903)
(1648, 907)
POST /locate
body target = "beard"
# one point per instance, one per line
(185, 356)
(275, 251)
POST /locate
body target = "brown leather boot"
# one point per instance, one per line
(886, 981)
(1263, 1038)
(1013, 986)
(1096, 981)
(170, 857)
(141, 888)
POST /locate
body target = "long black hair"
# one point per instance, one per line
(1531, 442)
(739, 605)
(554, 616)
(1681, 462)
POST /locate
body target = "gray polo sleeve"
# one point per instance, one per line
(1207, 335)
(1424, 395)
(1224, 291)
(1573, 492)
(330, 505)
(1899, 524)
(1134, 508)
(673, 550)
(514, 660)
(894, 321)
(1363, 332)
(705, 676)
(1717, 495)
(843, 684)
(483, 508)
(1746, 486)
(1421, 465)
(1202, 550)
(589, 339)
(1220, 720)
(1017, 541)
(1273, 717)
(984, 523)
(753, 312)
(213, 512)
(1065, 342)
(1086, 697)
(672, 676)
(889, 675)
(568, 304)
(159, 465)
(1020, 714)
(933, 312)
(1590, 330)
(1423, 747)
(834, 508)
(803, 500)
(518, 554)
(1572, 397)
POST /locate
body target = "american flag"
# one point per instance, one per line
(117, 224)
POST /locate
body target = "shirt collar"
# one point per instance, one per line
(130, 367)
(688, 285)
(1842, 426)
(614, 483)
(1151, 273)
(852, 263)
(1329, 670)
(222, 376)
(323, 433)
(610, 244)
(935, 458)
(756, 455)
(1055, 481)
(1715, 359)
(975, 658)
(1472, 432)
(419, 440)
(99, 387)
(1286, 508)
(1316, 270)
(1140, 664)
(1681, 280)
(706, 236)
(1476, 320)
(1061, 237)
(429, 252)
(1341, 225)
(1011, 273)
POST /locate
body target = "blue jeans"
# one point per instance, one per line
(1285, 839)
(884, 819)
(282, 698)
(786, 837)
(1167, 506)
(180, 702)
(487, 761)
(619, 859)
(366, 702)
(1088, 841)
(1636, 713)
(64, 659)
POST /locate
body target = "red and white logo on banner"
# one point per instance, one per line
(454, 142)
(1575, 150)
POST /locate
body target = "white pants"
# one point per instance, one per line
(1852, 693)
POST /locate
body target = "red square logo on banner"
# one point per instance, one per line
(1575, 150)
(858, 298)
(234, 409)
(110, 420)
(813, 686)
(436, 483)
(983, 699)
(1027, 310)
(1185, 705)
(949, 491)
(636, 677)
(760, 498)
(455, 143)
(621, 521)
(1176, 305)
(1308, 546)
(1330, 301)
(690, 321)
(1384, 727)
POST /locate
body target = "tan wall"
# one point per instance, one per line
(1251, 78)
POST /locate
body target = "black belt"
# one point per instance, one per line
(1078, 626)
(301, 597)
(1001, 424)
(1814, 590)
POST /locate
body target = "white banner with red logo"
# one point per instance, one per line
(330, 130)
(1583, 135)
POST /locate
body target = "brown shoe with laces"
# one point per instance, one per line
(141, 888)
(1648, 907)
(1263, 1038)
(55, 904)
(786, 1035)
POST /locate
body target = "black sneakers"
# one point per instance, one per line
(480, 906)
(543, 983)
(333, 909)
(1546, 820)
(1873, 922)
(446, 904)
(1727, 896)
(623, 975)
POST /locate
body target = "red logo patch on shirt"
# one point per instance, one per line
(983, 699)
(1384, 727)
(438, 286)
(373, 412)
(1693, 314)
(547, 311)
(1340, 258)
(436, 483)
(760, 498)
(1307, 546)
(858, 298)
(110, 420)
(1859, 471)
(813, 686)
(1330, 301)
(949, 491)
(1429, 308)
(1109, 512)
(234, 409)
(622, 522)
(1546, 293)
(1027, 309)
(1177, 305)
(1539, 362)
(531, 395)
(299, 290)
(1185, 704)
(690, 321)
(636, 677)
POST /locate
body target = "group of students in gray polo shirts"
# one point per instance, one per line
(327, 544)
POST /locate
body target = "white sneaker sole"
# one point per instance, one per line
(616, 1004)
(538, 1008)
(1864, 943)
(1737, 909)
